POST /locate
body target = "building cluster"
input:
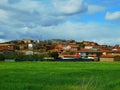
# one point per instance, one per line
(65, 48)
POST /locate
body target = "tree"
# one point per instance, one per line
(81, 44)
(54, 54)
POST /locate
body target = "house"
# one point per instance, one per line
(91, 53)
(88, 47)
(108, 58)
(67, 47)
(10, 47)
(27, 41)
(22, 46)
(25, 44)
(67, 50)
(71, 41)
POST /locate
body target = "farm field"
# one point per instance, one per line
(59, 75)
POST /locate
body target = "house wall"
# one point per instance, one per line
(106, 59)
(29, 53)
(116, 54)
(88, 47)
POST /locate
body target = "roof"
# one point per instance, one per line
(7, 44)
(88, 50)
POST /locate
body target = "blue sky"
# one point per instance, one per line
(92, 20)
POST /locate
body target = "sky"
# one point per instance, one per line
(91, 20)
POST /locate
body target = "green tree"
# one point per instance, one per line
(54, 54)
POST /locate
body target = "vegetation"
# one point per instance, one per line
(54, 54)
(117, 58)
(59, 76)
(2, 57)
(81, 44)
(22, 57)
(9, 54)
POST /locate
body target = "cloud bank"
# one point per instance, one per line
(113, 15)
(48, 19)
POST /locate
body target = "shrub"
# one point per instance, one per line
(19, 57)
(117, 58)
(37, 57)
(2, 57)
(22, 57)
(9, 54)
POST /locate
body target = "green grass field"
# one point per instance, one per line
(60, 76)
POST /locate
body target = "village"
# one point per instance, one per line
(64, 48)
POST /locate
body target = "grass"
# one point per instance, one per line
(59, 76)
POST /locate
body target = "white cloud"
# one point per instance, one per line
(1, 33)
(28, 5)
(70, 7)
(3, 2)
(2, 40)
(95, 8)
(39, 13)
(108, 41)
(113, 15)
(3, 14)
